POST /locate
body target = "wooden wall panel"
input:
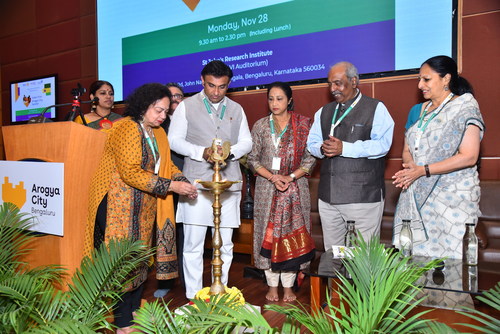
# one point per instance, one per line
(481, 63)
(10, 14)
(480, 6)
(19, 47)
(87, 7)
(19, 70)
(52, 12)
(398, 96)
(72, 61)
(88, 31)
(59, 36)
(89, 64)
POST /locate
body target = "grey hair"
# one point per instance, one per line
(350, 70)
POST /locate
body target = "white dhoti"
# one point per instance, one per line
(196, 216)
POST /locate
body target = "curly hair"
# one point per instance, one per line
(142, 97)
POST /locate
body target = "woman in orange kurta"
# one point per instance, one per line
(132, 190)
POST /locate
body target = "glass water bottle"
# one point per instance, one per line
(470, 245)
(406, 238)
(350, 235)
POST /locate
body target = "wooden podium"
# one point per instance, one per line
(80, 149)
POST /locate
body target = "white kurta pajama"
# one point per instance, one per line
(196, 125)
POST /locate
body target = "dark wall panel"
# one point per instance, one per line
(51, 12)
(72, 61)
(398, 96)
(19, 47)
(10, 14)
(59, 36)
(480, 6)
(89, 62)
(88, 32)
(481, 66)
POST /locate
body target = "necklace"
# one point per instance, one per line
(104, 123)
(95, 111)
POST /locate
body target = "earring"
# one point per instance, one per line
(445, 88)
(113, 106)
(94, 107)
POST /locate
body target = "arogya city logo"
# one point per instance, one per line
(15, 195)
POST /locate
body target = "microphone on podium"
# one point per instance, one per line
(42, 119)
(75, 109)
(76, 93)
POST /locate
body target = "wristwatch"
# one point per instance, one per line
(292, 175)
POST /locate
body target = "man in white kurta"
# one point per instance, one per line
(196, 122)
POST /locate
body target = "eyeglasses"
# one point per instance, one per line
(178, 96)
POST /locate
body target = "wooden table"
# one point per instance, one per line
(454, 278)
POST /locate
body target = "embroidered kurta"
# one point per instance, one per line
(288, 211)
(136, 197)
(440, 205)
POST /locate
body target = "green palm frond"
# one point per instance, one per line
(24, 300)
(14, 235)
(381, 292)
(61, 326)
(489, 323)
(222, 315)
(377, 298)
(97, 285)
(29, 299)
(156, 318)
(434, 327)
(298, 315)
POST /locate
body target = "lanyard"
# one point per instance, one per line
(276, 141)
(207, 105)
(221, 116)
(421, 129)
(335, 124)
(154, 148)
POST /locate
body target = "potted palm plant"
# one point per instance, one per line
(30, 302)
(378, 298)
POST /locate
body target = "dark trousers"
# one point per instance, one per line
(131, 300)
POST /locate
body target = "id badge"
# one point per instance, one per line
(276, 163)
(418, 136)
